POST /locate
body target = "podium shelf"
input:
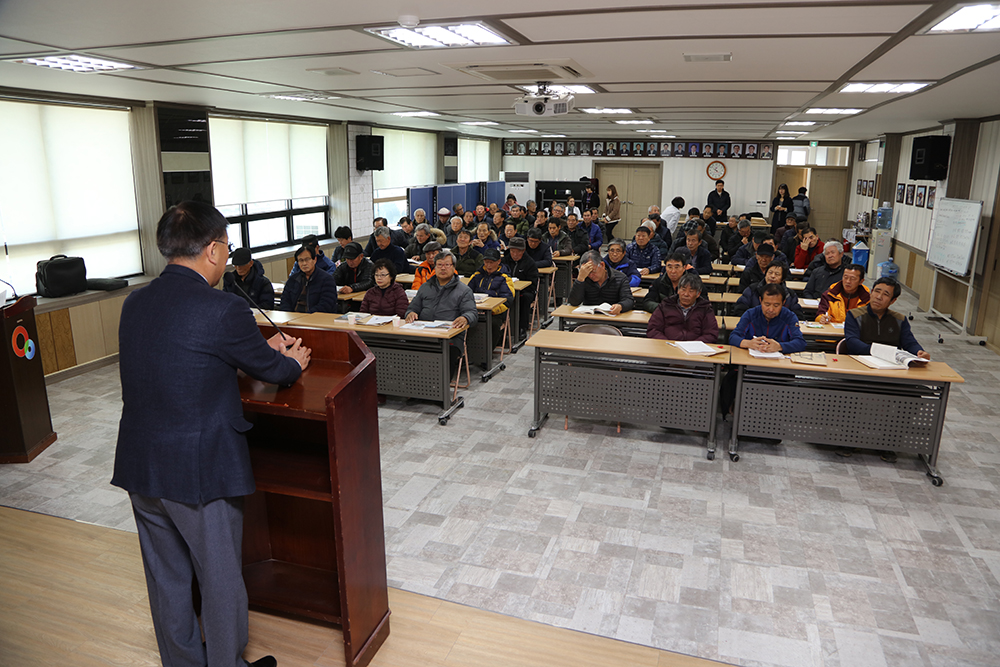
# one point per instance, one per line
(305, 399)
(294, 589)
(297, 469)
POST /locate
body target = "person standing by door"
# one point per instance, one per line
(612, 214)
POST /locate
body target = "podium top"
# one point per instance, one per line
(19, 307)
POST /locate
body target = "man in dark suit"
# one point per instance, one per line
(181, 452)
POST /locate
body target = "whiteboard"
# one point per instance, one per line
(953, 234)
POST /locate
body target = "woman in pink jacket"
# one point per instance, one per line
(387, 297)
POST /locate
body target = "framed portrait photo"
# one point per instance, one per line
(508, 148)
(766, 151)
(571, 148)
(931, 195)
(666, 149)
(708, 149)
(532, 148)
(522, 148)
(900, 192)
(921, 196)
(584, 148)
(652, 149)
(598, 148)
(559, 147)
(736, 151)
(611, 148)
(624, 148)
(638, 149)
(680, 149)
(721, 150)
(861, 187)
(546, 148)
(693, 149)
(910, 191)
(871, 188)
(750, 152)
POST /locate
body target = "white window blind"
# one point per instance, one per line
(66, 187)
(410, 159)
(473, 160)
(262, 161)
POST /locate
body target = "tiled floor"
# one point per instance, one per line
(792, 556)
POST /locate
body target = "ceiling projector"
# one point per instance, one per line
(544, 104)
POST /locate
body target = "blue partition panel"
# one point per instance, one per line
(495, 192)
(471, 195)
(448, 196)
(422, 197)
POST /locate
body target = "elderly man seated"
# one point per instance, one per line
(248, 280)
(445, 297)
(685, 315)
(844, 296)
(823, 273)
(309, 290)
(386, 249)
(595, 285)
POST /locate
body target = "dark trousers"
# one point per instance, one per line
(180, 542)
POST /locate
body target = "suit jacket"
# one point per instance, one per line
(181, 431)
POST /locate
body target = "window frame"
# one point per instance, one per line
(288, 213)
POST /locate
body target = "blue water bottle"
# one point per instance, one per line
(884, 218)
(888, 269)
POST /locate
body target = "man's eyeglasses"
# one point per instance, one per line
(228, 245)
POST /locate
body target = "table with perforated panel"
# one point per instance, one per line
(631, 322)
(844, 403)
(630, 380)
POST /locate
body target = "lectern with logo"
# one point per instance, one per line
(24, 406)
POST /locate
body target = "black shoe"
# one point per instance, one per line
(846, 451)
(266, 661)
(889, 456)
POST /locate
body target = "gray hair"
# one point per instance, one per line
(420, 210)
(834, 244)
(692, 280)
(381, 232)
(617, 242)
(650, 209)
(591, 256)
(743, 224)
(423, 227)
(649, 224)
(455, 217)
(529, 202)
(441, 255)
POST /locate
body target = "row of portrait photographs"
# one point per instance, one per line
(865, 188)
(916, 195)
(704, 149)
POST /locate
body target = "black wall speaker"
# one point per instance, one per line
(451, 146)
(929, 158)
(370, 152)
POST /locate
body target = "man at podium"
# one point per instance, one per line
(181, 452)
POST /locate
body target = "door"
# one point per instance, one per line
(828, 199)
(639, 187)
(794, 178)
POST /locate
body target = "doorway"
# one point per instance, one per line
(639, 187)
(827, 188)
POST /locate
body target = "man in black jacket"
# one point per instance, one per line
(596, 285)
(538, 250)
(519, 266)
(249, 281)
(720, 201)
(356, 273)
(578, 235)
(827, 272)
(755, 274)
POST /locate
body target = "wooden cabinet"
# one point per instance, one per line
(313, 538)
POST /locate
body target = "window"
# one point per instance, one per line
(473, 160)
(410, 159)
(391, 204)
(270, 180)
(69, 191)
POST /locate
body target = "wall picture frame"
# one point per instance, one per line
(921, 196)
(750, 151)
(707, 149)
(900, 192)
(931, 196)
(861, 188)
(910, 192)
(666, 149)
(559, 147)
(694, 149)
(571, 147)
(736, 151)
(508, 148)
(767, 151)
(652, 149)
(680, 149)
(721, 150)
(611, 148)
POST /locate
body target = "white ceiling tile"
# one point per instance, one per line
(14, 47)
(932, 57)
(193, 79)
(794, 86)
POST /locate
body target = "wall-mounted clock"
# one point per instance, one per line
(716, 170)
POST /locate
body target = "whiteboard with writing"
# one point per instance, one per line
(953, 234)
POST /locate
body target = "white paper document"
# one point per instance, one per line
(420, 324)
(887, 357)
(766, 355)
(696, 347)
(480, 296)
(603, 309)
(798, 272)
(810, 303)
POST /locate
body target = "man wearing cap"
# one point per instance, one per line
(642, 253)
(519, 266)
(538, 250)
(444, 218)
(309, 290)
(248, 280)
(493, 281)
(323, 262)
(356, 273)
(426, 268)
(755, 274)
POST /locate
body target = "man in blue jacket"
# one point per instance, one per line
(181, 452)
(310, 290)
(643, 254)
(618, 260)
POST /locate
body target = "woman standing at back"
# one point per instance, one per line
(612, 214)
(781, 205)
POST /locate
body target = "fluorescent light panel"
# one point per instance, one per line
(552, 136)
(883, 87)
(801, 122)
(633, 122)
(662, 136)
(480, 122)
(524, 131)
(607, 112)
(970, 18)
(575, 89)
(415, 114)
(301, 96)
(442, 36)
(74, 63)
(835, 112)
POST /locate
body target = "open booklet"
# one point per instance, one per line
(603, 309)
(887, 357)
(480, 296)
(423, 324)
(367, 319)
(810, 358)
(696, 347)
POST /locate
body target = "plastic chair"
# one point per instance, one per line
(604, 329)
(840, 344)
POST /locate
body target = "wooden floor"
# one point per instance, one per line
(74, 594)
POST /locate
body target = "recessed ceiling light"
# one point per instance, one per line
(662, 136)
(575, 89)
(415, 114)
(552, 136)
(790, 132)
(970, 18)
(73, 63)
(607, 111)
(480, 122)
(883, 87)
(523, 131)
(908, 87)
(835, 112)
(633, 122)
(442, 36)
(651, 129)
(801, 122)
(301, 96)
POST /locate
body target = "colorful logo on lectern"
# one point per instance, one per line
(25, 349)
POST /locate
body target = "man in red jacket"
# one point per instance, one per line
(685, 315)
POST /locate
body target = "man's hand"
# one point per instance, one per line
(345, 290)
(769, 345)
(643, 272)
(823, 319)
(280, 341)
(299, 353)
(585, 271)
(718, 211)
(555, 254)
(924, 354)
(616, 309)
(804, 245)
(459, 322)
(411, 317)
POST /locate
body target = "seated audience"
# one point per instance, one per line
(387, 297)
(685, 315)
(747, 250)
(509, 233)
(444, 216)
(742, 238)
(309, 290)
(248, 280)
(666, 285)
(485, 238)
(708, 217)
(541, 221)
(655, 239)
(498, 222)
(481, 214)
(695, 250)
(791, 227)
(617, 259)
(519, 266)
(595, 285)
(729, 230)
(421, 235)
(323, 262)
(456, 225)
(593, 230)
(848, 294)
(492, 281)
(579, 237)
(445, 297)
(469, 219)
(538, 250)
(558, 240)
(642, 253)
(344, 235)
(396, 236)
(354, 274)
(792, 239)
(386, 249)
(754, 273)
(406, 227)
(425, 270)
(468, 260)
(776, 274)
(807, 250)
(826, 271)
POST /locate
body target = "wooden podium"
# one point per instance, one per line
(24, 404)
(313, 537)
